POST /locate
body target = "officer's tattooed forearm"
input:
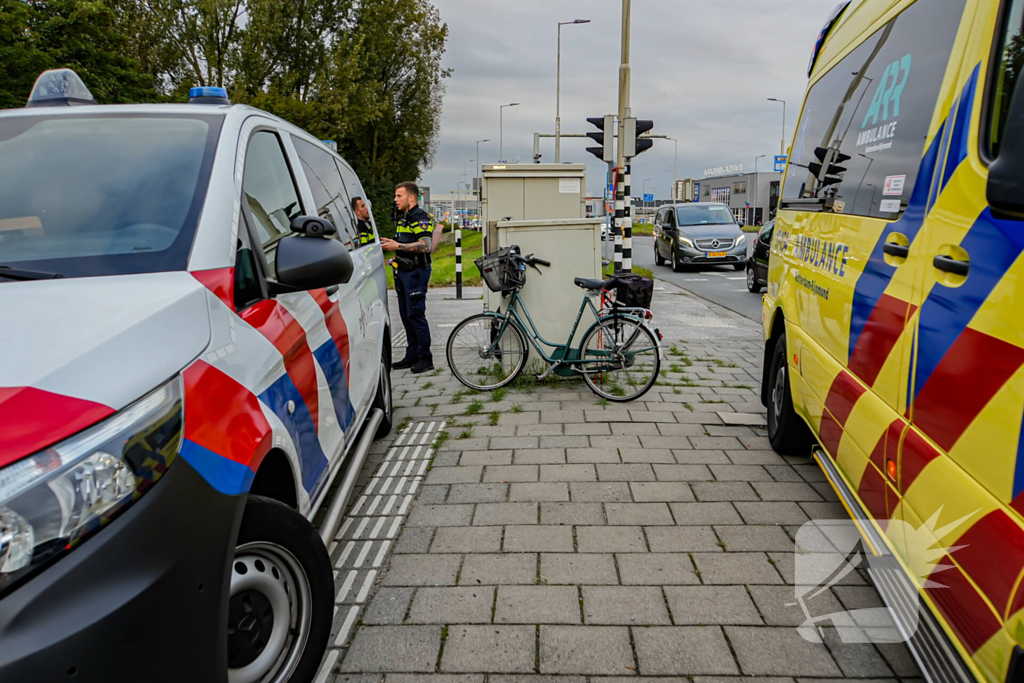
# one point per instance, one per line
(421, 247)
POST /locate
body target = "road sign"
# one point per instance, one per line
(780, 163)
(648, 197)
(696, 192)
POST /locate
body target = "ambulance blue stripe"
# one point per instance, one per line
(961, 129)
(225, 475)
(1018, 474)
(992, 245)
(877, 273)
(299, 424)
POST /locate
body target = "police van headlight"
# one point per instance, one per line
(52, 501)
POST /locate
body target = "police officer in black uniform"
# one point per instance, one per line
(412, 247)
(362, 213)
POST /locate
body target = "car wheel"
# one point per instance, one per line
(739, 266)
(787, 433)
(658, 261)
(676, 267)
(383, 399)
(281, 597)
(752, 283)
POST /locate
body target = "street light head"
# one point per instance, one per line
(514, 104)
(582, 21)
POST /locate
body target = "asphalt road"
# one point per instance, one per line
(719, 284)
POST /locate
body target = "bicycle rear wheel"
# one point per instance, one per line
(479, 358)
(623, 359)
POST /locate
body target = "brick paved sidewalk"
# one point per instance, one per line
(552, 534)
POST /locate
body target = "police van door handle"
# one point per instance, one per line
(897, 250)
(948, 264)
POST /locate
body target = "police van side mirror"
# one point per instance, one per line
(304, 263)
(1005, 190)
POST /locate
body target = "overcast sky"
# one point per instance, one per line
(701, 70)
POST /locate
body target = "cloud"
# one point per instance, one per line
(701, 70)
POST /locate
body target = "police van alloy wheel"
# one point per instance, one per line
(676, 268)
(752, 283)
(281, 598)
(658, 260)
(787, 433)
(383, 400)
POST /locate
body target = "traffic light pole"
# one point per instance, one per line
(623, 220)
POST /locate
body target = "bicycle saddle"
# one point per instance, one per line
(588, 284)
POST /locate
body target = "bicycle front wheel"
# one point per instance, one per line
(483, 356)
(621, 358)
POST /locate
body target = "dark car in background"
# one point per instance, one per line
(757, 265)
(700, 233)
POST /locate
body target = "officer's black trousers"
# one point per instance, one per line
(411, 288)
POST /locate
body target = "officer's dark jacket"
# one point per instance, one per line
(365, 232)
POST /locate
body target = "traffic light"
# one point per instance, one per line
(605, 138)
(827, 169)
(631, 129)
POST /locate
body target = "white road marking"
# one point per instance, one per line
(446, 325)
(695, 279)
(362, 554)
(345, 553)
(405, 505)
(376, 502)
(377, 527)
(344, 527)
(345, 628)
(369, 487)
(358, 505)
(370, 576)
(401, 484)
(327, 666)
(390, 503)
(394, 527)
(423, 468)
(381, 553)
(362, 527)
(736, 278)
(386, 486)
(347, 586)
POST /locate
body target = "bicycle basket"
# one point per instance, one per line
(499, 272)
(633, 291)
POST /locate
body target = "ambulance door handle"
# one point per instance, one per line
(331, 290)
(948, 264)
(897, 250)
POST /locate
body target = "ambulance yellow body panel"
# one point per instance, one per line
(896, 289)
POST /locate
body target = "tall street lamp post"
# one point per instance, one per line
(478, 172)
(558, 89)
(782, 145)
(501, 129)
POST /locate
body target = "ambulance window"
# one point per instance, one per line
(871, 114)
(1010, 61)
(328, 190)
(269, 192)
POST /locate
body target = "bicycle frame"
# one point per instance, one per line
(515, 303)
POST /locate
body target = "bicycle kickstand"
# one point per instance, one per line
(551, 368)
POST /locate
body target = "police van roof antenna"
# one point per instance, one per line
(59, 88)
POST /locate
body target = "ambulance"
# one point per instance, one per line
(894, 338)
(193, 347)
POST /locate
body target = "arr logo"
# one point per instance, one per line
(889, 91)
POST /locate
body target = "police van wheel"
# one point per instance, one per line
(676, 266)
(787, 433)
(281, 600)
(383, 400)
(658, 260)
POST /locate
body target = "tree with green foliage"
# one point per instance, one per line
(83, 35)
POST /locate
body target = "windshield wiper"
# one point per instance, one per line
(18, 274)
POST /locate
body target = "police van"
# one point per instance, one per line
(193, 345)
(892, 321)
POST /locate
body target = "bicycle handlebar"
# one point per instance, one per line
(531, 260)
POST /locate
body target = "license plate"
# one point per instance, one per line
(716, 254)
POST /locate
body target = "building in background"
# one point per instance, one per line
(753, 198)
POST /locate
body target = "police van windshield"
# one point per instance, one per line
(86, 195)
(703, 215)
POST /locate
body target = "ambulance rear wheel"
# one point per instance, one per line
(787, 433)
(281, 600)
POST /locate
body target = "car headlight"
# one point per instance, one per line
(741, 239)
(51, 501)
(685, 241)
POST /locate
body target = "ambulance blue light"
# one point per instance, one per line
(59, 88)
(208, 95)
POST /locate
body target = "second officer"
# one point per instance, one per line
(412, 247)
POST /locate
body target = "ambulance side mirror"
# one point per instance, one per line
(1005, 190)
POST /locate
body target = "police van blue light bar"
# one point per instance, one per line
(59, 88)
(208, 95)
